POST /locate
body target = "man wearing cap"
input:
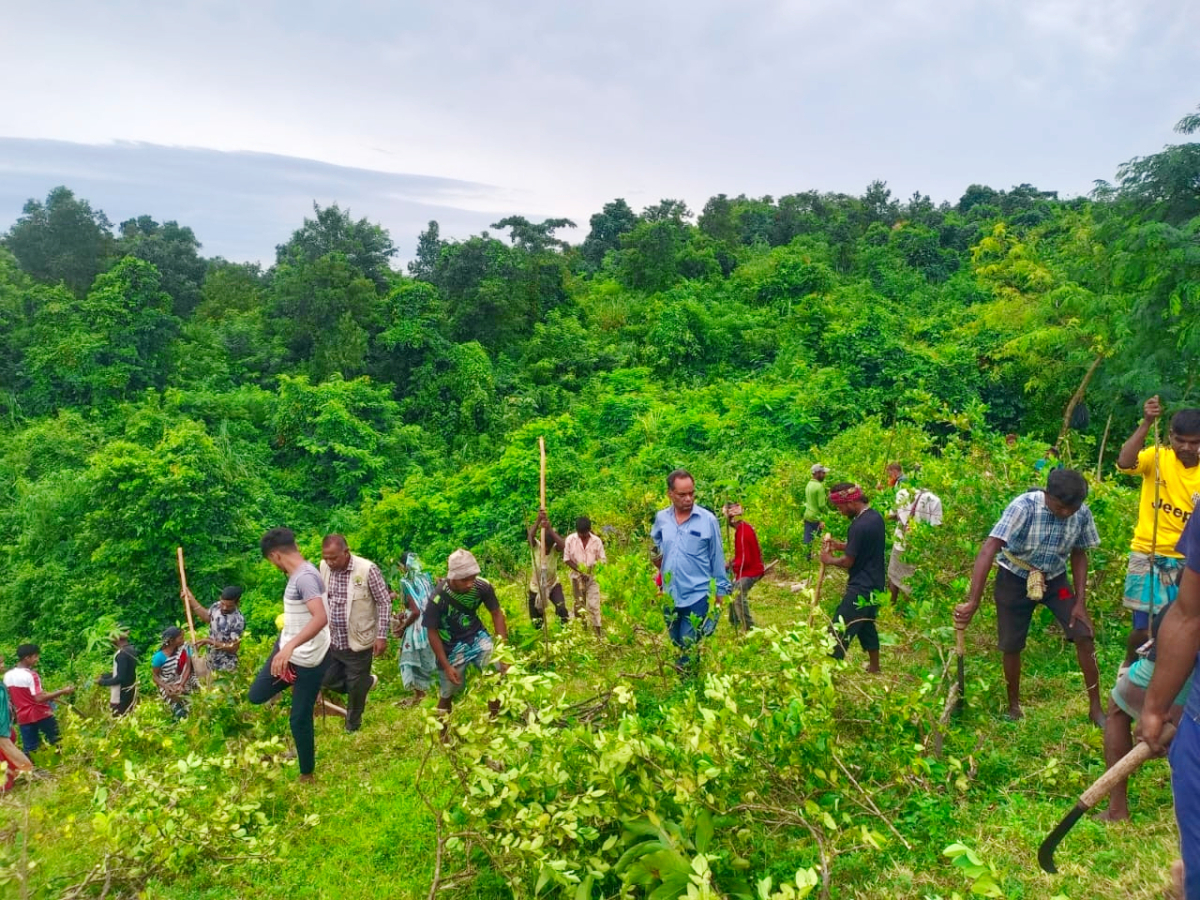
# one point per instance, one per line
(226, 625)
(815, 506)
(688, 538)
(360, 614)
(862, 557)
(746, 567)
(1037, 537)
(35, 715)
(456, 635)
(583, 552)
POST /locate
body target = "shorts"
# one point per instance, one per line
(1143, 585)
(1129, 693)
(472, 652)
(899, 572)
(1014, 610)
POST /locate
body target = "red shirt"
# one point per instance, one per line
(23, 685)
(747, 556)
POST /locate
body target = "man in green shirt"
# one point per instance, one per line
(816, 504)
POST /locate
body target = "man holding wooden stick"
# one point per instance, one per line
(862, 558)
(688, 538)
(1170, 483)
(544, 585)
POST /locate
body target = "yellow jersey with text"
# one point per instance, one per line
(1177, 496)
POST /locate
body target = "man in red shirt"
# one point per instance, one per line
(35, 715)
(745, 569)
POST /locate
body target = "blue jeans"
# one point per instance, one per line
(1185, 785)
(684, 633)
(31, 734)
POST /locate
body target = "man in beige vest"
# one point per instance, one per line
(360, 611)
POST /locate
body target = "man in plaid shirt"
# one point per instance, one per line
(360, 611)
(1034, 539)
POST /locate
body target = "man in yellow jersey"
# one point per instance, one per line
(1155, 565)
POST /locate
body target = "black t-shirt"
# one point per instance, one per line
(454, 616)
(865, 542)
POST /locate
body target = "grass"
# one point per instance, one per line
(375, 836)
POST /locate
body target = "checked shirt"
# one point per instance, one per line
(1040, 539)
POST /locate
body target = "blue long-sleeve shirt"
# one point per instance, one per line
(692, 555)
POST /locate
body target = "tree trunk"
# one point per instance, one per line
(1103, 441)
(1077, 396)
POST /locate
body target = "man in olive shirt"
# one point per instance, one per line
(815, 506)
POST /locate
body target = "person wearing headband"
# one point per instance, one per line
(862, 557)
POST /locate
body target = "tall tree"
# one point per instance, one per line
(63, 239)
(173, 249)
(607, 226)
(367, 248)
(429, 248)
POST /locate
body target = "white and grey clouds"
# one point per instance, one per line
(563, 106)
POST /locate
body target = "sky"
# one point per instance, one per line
(234, 117)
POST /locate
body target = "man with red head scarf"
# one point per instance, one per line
(862, 557)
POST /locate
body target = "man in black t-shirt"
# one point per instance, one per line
(862, 555)
(456, 635)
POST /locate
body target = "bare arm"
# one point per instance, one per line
(47, 696)
(964, 612)
(190, 599)
(499, 622)
(1178, 642)
(1128, 456)
(316, 608)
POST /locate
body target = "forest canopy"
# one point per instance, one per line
(157, 397)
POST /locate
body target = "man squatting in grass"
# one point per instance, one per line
(688, 538)
(1178, 643)
(1037, 534)
(553, 588)
(862, 557)
(300, 656)
(35, 715)
(1154, 564)
(746, 566)
(583, 552)
(456, 634)
(815, 507)
(359, 605)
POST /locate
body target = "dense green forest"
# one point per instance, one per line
(154, 398)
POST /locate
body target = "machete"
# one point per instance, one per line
(1093, 795)
(960, 647)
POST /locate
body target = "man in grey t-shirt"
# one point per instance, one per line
(301, 655)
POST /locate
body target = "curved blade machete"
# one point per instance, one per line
(1093, 795)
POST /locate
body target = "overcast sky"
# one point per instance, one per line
(466, 111)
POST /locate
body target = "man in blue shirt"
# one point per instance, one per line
(1178, 642)
(688, 538)
(1040, 533)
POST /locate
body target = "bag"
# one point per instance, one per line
(1035, 585)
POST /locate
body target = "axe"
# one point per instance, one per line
(1093, 795)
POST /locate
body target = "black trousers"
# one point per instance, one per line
(860, 623)
(560, 606)
(304, 698)
(349, 673)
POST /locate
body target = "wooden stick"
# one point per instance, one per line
(816, 604)
(187, 607)
(960, 649)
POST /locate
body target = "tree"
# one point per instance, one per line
(535, 238)
(172, 249)
(716, 219)
(63, 239)
(110, 345)
(367, 248)
(429, 248)
(607, 226)
(675, 211)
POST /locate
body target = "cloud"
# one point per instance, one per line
(570, 105)
(240, 204)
